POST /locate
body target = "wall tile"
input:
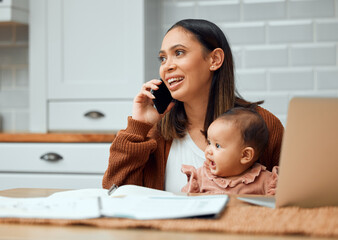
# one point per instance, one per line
(327, 30)
(313, 55)
(311, 8)
(281, 80)
(276, 103)
(264, 10)
(327, 79)
(328, 93)
(266, 56)
(219, 11)
(251, 80)
(175, 11)
(237, 57)
(245, 33)
(290, 31)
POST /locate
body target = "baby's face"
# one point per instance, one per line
(224, 149)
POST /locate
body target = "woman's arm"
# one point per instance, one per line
(129, 154)
(137, 155)
(270, 156)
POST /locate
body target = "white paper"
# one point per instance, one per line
(65, 208)
(124, 190)
(128, 201)
(81, 193)
(260, 201)
(161, 207)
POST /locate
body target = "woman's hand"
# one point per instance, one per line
(143, 107)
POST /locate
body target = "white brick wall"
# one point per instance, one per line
(257, 10)
(282, 48)
(290, 31)
(14, 95)
(311, 8)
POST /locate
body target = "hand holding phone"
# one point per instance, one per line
(162, 97)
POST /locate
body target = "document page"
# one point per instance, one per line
(128, 201)
(163, 207)
(60, 208)
(120, 191)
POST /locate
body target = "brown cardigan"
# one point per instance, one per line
(138, 154)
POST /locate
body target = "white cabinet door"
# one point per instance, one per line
(85, 51)
(43, 180)
(53, 165)
(89, 116)
(95, 49)
(76, 158)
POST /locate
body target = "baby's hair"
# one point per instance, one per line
(252, 127)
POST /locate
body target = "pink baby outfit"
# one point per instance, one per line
(255, 180)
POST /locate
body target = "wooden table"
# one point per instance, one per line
(43, 232)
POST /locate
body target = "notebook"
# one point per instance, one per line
(308, 172)
(127, 201)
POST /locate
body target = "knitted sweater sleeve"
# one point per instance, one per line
(270, 157)
(129, 154)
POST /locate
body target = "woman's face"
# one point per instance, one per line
(185, 67)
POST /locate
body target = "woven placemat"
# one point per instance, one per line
(235, 219)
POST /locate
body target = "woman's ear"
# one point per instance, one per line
(217, 58)
(247, 155)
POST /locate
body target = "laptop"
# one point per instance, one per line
(308, 172)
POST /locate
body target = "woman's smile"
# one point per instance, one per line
(174, 82)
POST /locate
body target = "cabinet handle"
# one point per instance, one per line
(94, 114)
(51, 157)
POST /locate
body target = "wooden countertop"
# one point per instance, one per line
(57, 137)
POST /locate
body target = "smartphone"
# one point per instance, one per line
(162, 97)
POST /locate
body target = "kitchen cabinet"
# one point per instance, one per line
(88, 60)
(53, 165)
(70, 161)
(14, 11)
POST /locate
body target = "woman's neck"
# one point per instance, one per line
(196, 116)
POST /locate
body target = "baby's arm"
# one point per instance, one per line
(192, 186)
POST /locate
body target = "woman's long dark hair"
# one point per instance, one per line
(223, 94)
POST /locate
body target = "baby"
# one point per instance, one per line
(236, 140)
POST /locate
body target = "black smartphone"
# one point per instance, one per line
(162, 97)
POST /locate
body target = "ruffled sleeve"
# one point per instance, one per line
(272, 185)
(192, 186)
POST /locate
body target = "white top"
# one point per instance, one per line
(182, 151)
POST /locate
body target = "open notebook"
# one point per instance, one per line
(128, 201)
(309, 159)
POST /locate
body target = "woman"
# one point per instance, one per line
(197, 67)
